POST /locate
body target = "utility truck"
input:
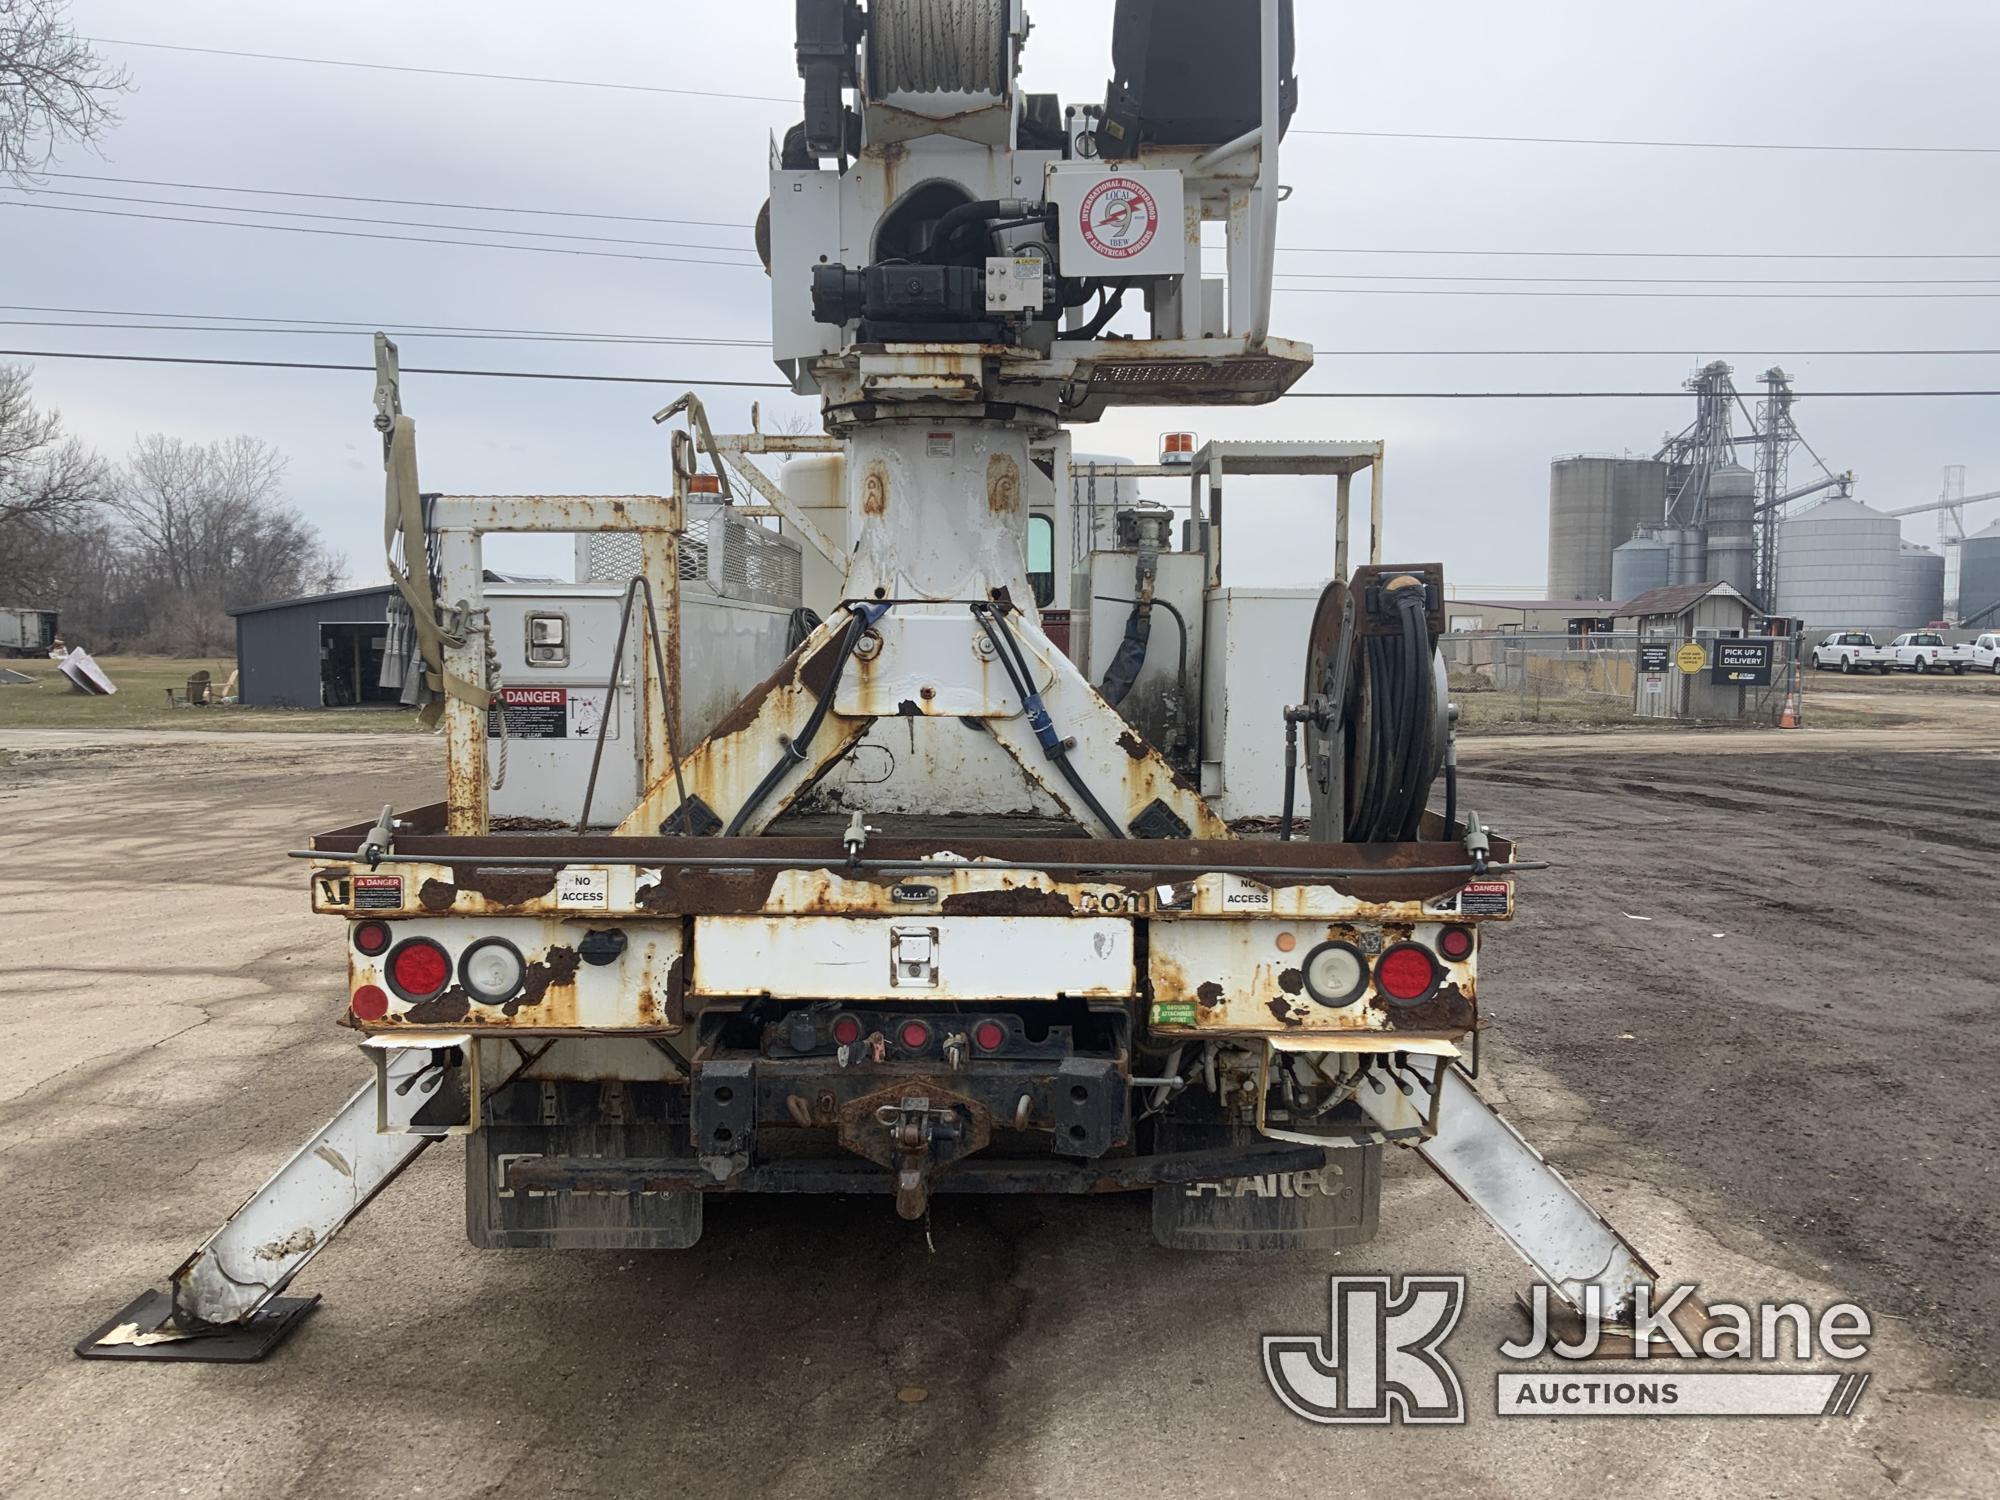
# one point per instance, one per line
(1022, 869)
(1922, 651)
(1851, 651)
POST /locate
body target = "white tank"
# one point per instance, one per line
(1732, 548)
(1920, 585)
(1840, 566)
(814, 482)
(1639, 567)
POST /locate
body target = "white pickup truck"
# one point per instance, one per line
(1851, 651)
(1927, 651)
(1986, 653)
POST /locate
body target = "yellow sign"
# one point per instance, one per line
(1691, 658)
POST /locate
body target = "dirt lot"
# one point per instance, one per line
(1744, 1013)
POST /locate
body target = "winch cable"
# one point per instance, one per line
(1015, 663)
(861, 618)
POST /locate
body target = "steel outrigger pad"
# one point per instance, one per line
(223, 1304)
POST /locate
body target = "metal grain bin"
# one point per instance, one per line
(1979, 576)
(1639, 566)
(1920, 584)
(1840, 566)
(1595, 505)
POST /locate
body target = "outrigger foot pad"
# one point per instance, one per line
(143, 1331)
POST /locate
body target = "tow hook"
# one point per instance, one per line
(917, 1128)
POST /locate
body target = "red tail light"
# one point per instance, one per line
(989, 1036)
(846, 1030)
(369, 1003)
(1455, 943)
(1406, 973)
(371, 938)
(915, 1036)
(419, 969)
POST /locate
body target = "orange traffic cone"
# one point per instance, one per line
(1789, 719)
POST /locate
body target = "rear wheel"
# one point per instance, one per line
(1922, 666)
(1847, 665)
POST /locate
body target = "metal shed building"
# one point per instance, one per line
(322, 651)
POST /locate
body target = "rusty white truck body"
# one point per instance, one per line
(1026, 950)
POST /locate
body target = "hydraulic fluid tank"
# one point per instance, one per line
(1639, 566)
(1979, 576)
(1838, 568)
(1595, 505)
(1732, 550)
(1919, 586)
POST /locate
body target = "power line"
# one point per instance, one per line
(1392, 135)
(296, 213)
(1643, 254)
(1383, 291)
(1655, 280)
(481, 208)
(341, 62)
(281, 364)
(612, 340)
(295, 364)
(404, 328)
(398, 239)
(1567, 140)
(578, 213)
(371, 324)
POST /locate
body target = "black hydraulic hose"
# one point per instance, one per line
(1109, 310)
(1015, 663)
(1291, 777)
(956, 220)
(795, 749)
(1450, 793)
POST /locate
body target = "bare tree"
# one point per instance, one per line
(53, 87)
(208, 529)
(48, 482)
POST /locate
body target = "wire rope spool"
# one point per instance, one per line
(938, 46)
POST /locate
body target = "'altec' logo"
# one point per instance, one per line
(1380, 1361)
(1119, 218)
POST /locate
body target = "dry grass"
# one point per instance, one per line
(143, 683)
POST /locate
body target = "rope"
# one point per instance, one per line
(939, 46)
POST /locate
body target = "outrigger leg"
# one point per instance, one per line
(223, 1304)
(1431, 1103)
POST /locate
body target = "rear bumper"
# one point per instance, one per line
(1124, 1174)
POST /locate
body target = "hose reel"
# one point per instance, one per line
(1376, 712)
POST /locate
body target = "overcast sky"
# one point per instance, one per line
(1468, 481)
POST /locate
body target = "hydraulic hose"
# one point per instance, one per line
(859, 620)
(1399, 688)
(1014, 661)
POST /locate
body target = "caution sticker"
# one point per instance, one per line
(1484, 898)
(378, 893)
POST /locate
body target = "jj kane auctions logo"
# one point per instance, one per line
(1382, 1358)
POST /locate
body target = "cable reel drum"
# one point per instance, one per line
(1376, 713)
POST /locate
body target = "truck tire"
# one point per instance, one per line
(1847, 665)
(1923, 667)
(1996, 666)
(1958, 669)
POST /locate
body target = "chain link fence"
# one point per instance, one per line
(1516, 677)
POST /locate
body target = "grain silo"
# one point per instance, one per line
(1639, 566)
(1979, 578)
(1839, 567)
(1919, 586)
(1732, 549)
(1595, 505)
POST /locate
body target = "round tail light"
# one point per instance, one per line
(914, 1035)
(1335, 973)
(846, 1030)
(369, 1003)
(1455, 943)
(1406, 974)
(419, 969)
(989, 1036)
(492, 970)
(371, 938)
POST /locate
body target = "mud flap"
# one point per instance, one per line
(1324, 1208)
(501, 1217)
